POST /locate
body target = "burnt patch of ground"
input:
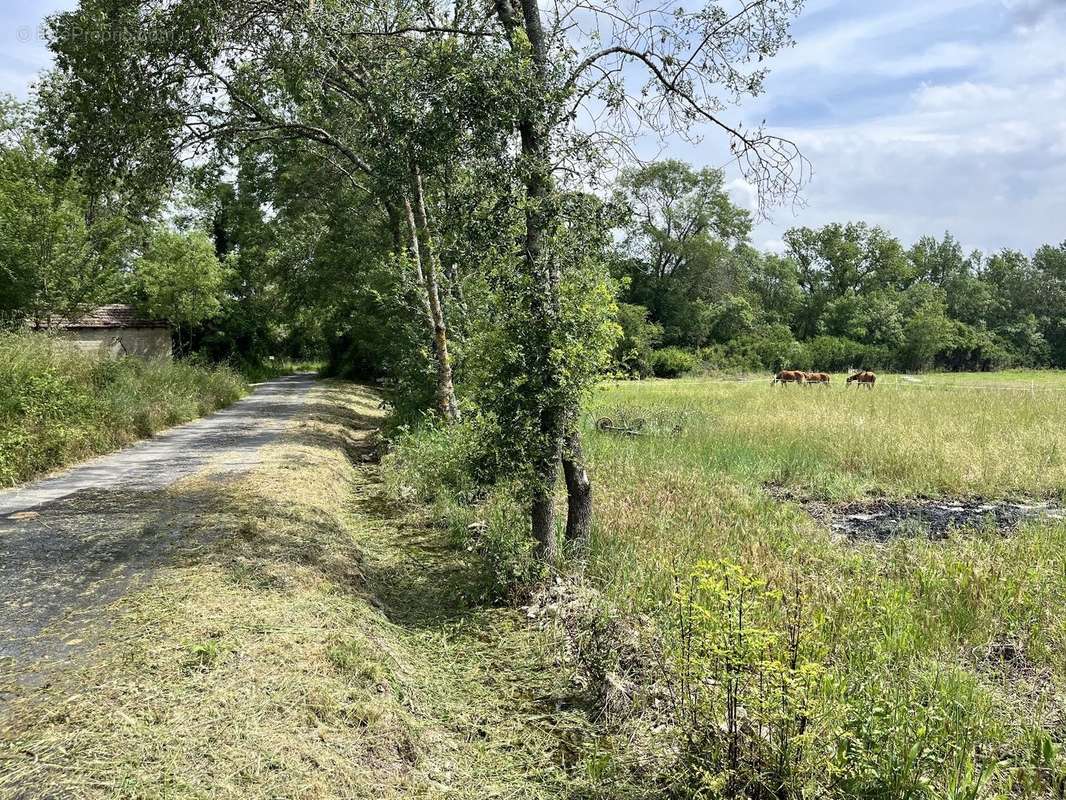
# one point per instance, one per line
(881, 519)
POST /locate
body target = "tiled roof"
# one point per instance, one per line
(116, 315)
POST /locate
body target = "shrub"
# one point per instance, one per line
(633, 352)
(452, 468)
(835, 353)
(432, 462)
(672, 362)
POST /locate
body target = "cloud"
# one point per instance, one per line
(1032, 12)
(922, 120)
(941, 56)
(743, 194)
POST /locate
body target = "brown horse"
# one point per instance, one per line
(864, 378)
(818, 377)
(789, 376)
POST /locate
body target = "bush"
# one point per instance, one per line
(59, 405)
(453, 469)
(633, 352)
(744, 700)
(835, 354)
(672, 362)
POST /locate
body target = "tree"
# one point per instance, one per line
(682, 241)
(633, 350)
(222, 76)
(1049, 268)
(369, 88)
(938, 262)
(179, 278)
(840, 261)
(60, 250)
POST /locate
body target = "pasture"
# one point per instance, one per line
(911, 631)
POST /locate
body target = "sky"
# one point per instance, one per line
(922, 116)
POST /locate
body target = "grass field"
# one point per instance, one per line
(944, 661)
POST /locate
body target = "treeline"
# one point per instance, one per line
(694, 291)
(268, 259)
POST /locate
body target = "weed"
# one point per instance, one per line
(205, 655)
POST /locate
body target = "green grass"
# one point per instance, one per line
(836, 442)
(58, 405)
(915, 694)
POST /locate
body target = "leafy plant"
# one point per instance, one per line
(672, 362)
(742, 694)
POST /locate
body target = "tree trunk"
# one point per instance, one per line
(426, 271)
(545, 279)
(578, 491)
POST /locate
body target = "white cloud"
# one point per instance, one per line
(743, 194)
(982, 154)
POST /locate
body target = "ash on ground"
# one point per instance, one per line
(882, 519)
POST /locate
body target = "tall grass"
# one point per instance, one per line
(944, 668)
(58, 405)
(913, 668)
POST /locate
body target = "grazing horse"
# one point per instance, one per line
(818, 377)
(789, 376)
(864, 378)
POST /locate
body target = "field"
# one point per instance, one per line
(944, 660)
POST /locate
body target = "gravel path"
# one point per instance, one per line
(73, 543)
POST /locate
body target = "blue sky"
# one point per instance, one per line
(918, 115)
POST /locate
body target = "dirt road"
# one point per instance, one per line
(75, 542)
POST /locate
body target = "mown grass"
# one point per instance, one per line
(312, 642)
(58, 405)
(944, 661)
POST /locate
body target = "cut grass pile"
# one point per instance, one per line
(314, 642)
(58, 405)
(943, 661)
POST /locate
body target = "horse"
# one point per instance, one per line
(789, 376)
(864, 378)
(822, 378)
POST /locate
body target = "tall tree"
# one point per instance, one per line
(61, 249)
(683, 245)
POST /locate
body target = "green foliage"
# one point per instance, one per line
(843, 295)
(682, 251)
(744, 700)
(59, 251)
(633, 352)
(179, 278)
(455, 469)
(672, 362)
(58, 405)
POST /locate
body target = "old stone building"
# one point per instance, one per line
(114, 329)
